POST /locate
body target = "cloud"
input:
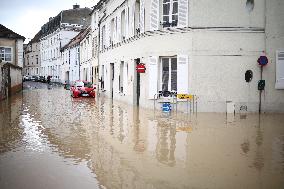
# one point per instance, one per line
(27, 17)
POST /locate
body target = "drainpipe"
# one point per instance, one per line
(99, 37)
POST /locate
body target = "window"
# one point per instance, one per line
(6, 54)
(249, 5)
(279, 70)
(123, 26)
(170, 13)
(103, 37)
(168, 74)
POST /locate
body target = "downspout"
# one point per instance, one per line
(99, 40)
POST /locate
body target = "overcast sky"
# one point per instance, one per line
(26, 17)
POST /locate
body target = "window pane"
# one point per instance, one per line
(166, 9)
(175, 7)
(166, 19)
(174, 74)
(8, 57)
(165, 74)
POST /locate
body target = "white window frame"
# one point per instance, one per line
(170, 72)
(279, 83)
(7, 53)
(170, 13)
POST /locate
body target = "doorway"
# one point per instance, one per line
(137, 84)
(111, 78)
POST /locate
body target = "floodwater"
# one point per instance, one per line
(49, 140)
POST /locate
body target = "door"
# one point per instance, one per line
(137, 98)
(111, 78)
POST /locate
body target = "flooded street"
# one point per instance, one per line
(50, 140)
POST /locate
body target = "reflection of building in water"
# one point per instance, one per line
(10, 129)
(166, 145)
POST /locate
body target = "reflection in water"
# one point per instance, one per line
(128, 147)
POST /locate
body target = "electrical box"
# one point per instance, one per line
(261, 85)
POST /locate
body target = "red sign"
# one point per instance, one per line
(140, 68)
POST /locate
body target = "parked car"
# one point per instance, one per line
(83, 88)
(35, 78)
(42, 79)
(26, 78)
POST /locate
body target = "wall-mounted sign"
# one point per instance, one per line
(262, 60)
(185, 96)
(140, 68)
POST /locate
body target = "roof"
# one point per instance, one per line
(36, 37)
(78, 16)
(98, 5)
(7, 33)
(77, 39)
(75, 16)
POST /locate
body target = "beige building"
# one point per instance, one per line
(32, 56)
(11, 62)
(203, 48)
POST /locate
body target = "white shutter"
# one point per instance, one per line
(107, 34)
(19, 45)
(142, 12)
(182, 74)
(153, 76)
(154, 15)
(183, 13)
(118, 36)
(279, 70)
(131, 20)
(126, 22)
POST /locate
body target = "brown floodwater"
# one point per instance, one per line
(49, 140)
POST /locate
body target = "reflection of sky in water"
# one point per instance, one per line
(33, 137)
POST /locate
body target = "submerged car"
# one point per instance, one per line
(83, 88)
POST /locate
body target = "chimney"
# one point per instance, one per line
(76, 6)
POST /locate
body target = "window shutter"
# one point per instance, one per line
(126, 22)
(107, 33)
(142, 13)
(182, 13)
(154, 16)
(182, 74)
(125, 79)
(118, 36)
(279, 70)
(131, 20)
(153, 76)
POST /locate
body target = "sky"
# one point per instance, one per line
(26, 17)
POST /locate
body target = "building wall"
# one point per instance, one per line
(12, 44)
(32, 64)
(273, 98)
(16, 80)
(50, 53)
(86, 67)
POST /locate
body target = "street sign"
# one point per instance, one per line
(262, 60)
(140, 68)
(185, 96)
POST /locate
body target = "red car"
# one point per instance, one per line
(83, 88)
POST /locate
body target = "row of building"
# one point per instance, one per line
(203, 48)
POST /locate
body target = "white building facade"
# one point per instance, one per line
(194, 47)
(57, 33)
(86, 67)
